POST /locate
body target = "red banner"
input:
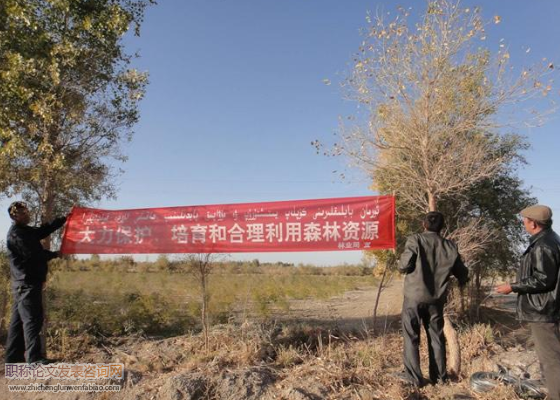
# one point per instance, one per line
(353, 223)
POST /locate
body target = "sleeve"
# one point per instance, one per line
(46, 229)
(49, 255)
(460, 271)
(407, 261)
(544, 276)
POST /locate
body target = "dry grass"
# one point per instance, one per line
(327, 363)
(337, 365)
(255, 294)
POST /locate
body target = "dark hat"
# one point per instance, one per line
(538, 213)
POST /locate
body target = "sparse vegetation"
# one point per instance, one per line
(281, 360)
(149, 318)
(105, 298)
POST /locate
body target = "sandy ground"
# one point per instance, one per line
(352, 310)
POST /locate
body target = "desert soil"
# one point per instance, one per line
(351, 311)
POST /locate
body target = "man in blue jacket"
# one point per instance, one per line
(28, 270)
(538, 292)
(428, 260)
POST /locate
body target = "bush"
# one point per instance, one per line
(78, 312)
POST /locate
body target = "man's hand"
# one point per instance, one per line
(504, 288)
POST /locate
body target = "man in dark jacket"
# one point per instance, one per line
(538, 292)
(28, 270)
(428, 260)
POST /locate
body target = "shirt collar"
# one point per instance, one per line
(537, 236)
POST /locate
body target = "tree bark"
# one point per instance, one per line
(432, 203)
(453, 347)
(47, 214)
(47, 210)
(204, 286)
(378, 296)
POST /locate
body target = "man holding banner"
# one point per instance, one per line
(28, 269)
(428, 261)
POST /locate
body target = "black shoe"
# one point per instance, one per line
(439, 381)
(408, 380)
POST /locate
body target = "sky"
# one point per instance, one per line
(237, 94)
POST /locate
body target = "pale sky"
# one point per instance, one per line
(237, 95)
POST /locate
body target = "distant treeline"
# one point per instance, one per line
(163, 263)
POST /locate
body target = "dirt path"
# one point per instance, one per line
(159, 369)
(352, 310)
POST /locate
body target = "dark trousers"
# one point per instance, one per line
(25, 325)
(547, 345)
(430, 316)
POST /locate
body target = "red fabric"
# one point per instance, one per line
(354, 223)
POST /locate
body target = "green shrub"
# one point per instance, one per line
(79, 312)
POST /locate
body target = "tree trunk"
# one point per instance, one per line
(204, 316)
(47, 214)
(477, 295)
(432, 203)
(47, 211)
(453, 347)
(378, 296)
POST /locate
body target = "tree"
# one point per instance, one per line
(69, 98)
(492, 205)
(432, 95)
(388, 261)
(434, 101)
(200, 264)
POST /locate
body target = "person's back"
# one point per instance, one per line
(428, 262)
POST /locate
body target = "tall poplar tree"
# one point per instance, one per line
(68, 98)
